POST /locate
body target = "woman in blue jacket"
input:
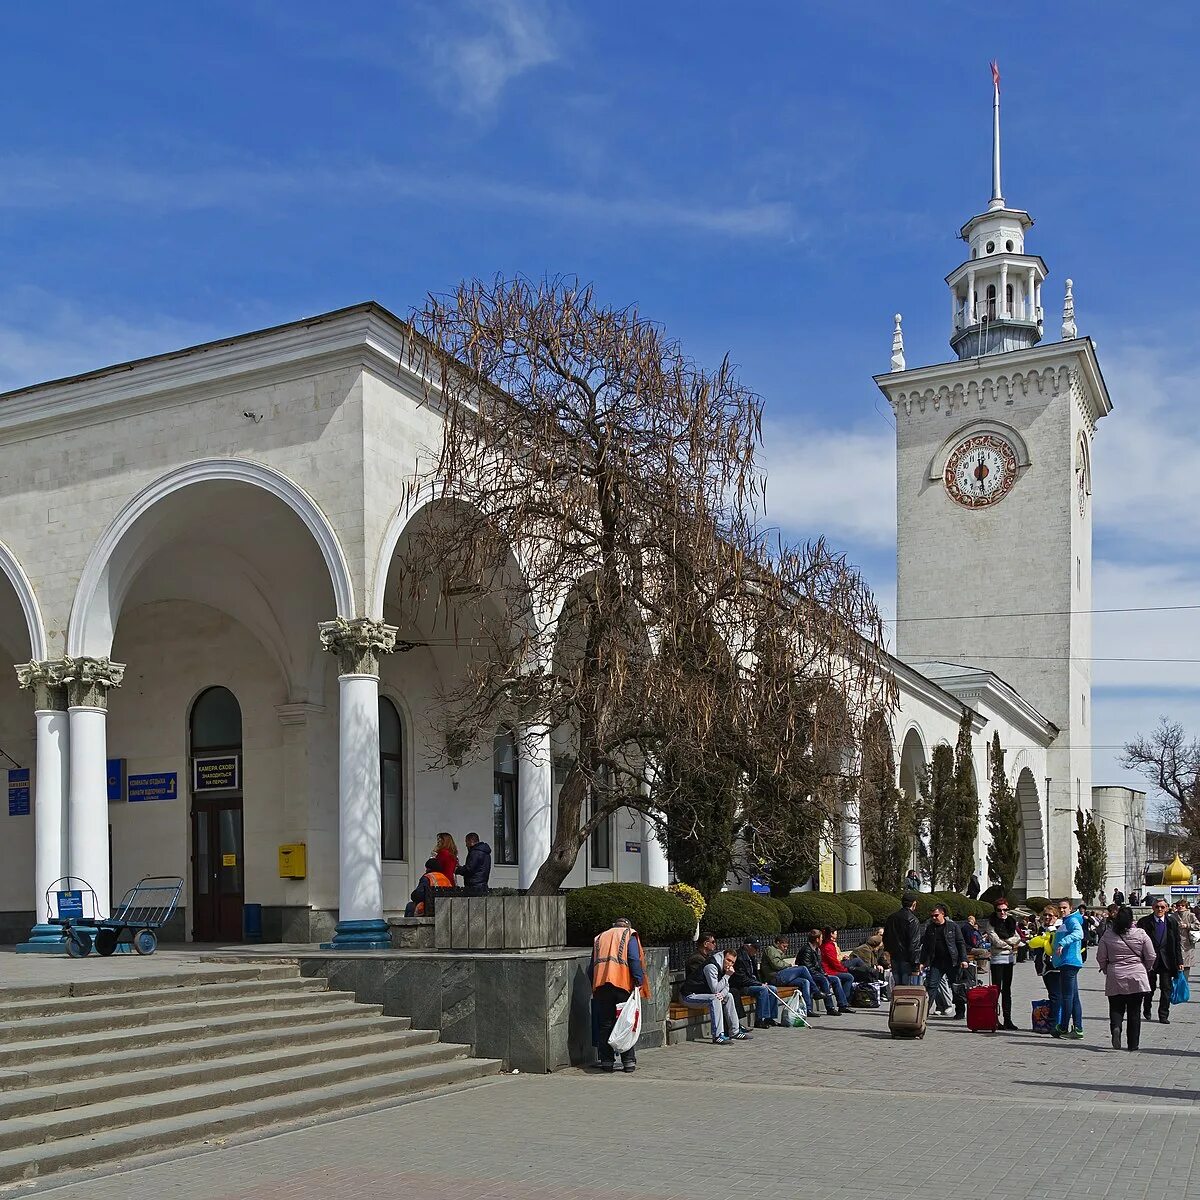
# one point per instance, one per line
(1068, 958)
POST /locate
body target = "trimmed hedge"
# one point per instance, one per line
(1037, 903)
(956, 904)
(925, 905)
(738, 914)
(816, 910)
(658, 916)
(880, 905)
(856, 916)
(778, 907)
(984, 909)
(992, 894)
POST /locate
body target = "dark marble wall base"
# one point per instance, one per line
(297, 923)
(532, 1011)
(15, 927)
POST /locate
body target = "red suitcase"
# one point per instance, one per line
(983, 1008)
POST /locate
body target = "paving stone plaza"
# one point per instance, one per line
(840, 1110)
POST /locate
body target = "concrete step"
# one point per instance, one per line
(89, 1062)
(158, 1132)
(127, 1002)
(280, 997)
(137, 983)
(36, 1048)
(365, 1073)
(351, 1058)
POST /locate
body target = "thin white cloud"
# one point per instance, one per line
(478, 49)
(45, 337)
(839, 482)
(97, 185)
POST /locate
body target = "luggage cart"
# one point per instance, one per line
(66, 900)
(146, 908)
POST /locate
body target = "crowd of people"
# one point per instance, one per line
(1138, 960)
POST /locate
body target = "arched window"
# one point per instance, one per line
(1008, 300)
(991, 302)
(601, 841)
(216, 721)
(391, 781)
(504, 799)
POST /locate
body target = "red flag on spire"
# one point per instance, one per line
(995, 75)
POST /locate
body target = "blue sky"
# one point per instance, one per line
(773, 183)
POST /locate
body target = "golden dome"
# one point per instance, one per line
(1176, 872)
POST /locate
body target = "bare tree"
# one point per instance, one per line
(1170, 761)
(605, 499)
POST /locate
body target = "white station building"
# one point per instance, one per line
(218, 675)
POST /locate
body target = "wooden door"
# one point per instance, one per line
(218, 870)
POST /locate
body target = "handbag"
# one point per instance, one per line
(629, 1024)
(1180, 992)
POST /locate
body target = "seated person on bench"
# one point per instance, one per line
(747, 981)
(706, 985)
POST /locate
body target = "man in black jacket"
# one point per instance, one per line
(1164, 932)
(477, 870)
(902, 940)
(944, 952)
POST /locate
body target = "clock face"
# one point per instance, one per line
(980, 471)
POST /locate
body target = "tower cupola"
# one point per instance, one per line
(996, 293)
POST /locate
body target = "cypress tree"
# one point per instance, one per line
(1004, 825)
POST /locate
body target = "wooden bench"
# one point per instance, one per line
(686, 1012)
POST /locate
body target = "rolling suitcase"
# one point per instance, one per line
(908, 1016)
(983, 1009)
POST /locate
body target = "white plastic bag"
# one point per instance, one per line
(792, 1013)
(629, 1024)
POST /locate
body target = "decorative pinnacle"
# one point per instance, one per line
(997, 200)
(897, 346)
(1069, 328)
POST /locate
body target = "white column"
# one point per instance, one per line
(970, 298)
(88, 682)
(851, 847)
(655, 871)
(534, 789)
(1003, 297)
(358, 644)
(50, 785)
(1030, 307)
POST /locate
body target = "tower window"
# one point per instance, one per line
(991, 246)
(1008, 299)
(1008, 245)
(974, 252)
(991, 302)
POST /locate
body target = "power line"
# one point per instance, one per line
(1064, 612)
(918, 656)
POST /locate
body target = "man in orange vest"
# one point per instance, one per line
(423, 893)
(616, 969)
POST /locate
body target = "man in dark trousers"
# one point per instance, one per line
(902, 940)
(944, 952)
(973, 887)
(1163, 929)
(477, 870)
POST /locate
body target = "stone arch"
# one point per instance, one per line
(28, 602)
(1032, 867)
(114, 559)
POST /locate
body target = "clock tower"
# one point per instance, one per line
(993, 500)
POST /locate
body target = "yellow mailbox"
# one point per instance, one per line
(293, 861)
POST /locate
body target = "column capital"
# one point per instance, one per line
(45, 680)
(358, 642)
(88, 680)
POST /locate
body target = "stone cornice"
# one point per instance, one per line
(975, 385)
(912, 683)
(366, 335)
(978, 687)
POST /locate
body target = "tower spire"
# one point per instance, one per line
(997, 200)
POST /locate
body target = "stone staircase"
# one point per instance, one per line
(97, 1071)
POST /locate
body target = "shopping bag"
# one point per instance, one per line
(792, 1013)
(1041, 1016)
(629, 1024)
(1180, 992)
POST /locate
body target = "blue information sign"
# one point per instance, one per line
(18, 792)
(70, 906)
(759, 888)
(116, 779)
(163, 786)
